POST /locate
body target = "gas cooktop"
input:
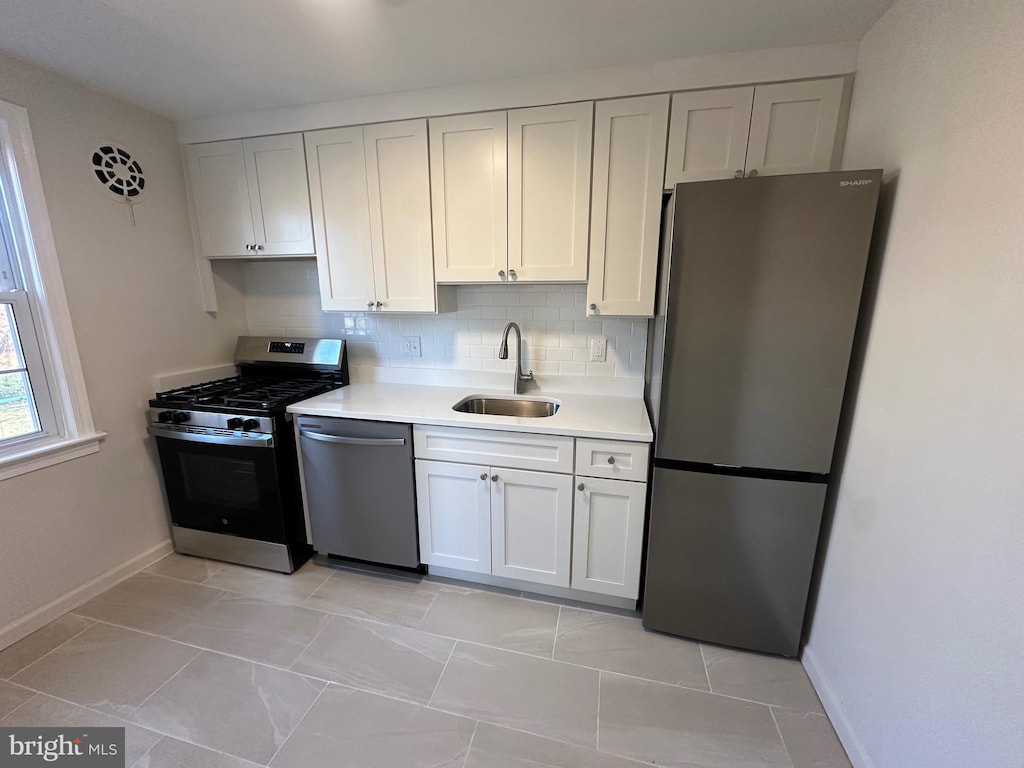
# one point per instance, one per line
(244, 394)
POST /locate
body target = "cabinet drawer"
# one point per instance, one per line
(518, 450)
(613, 459)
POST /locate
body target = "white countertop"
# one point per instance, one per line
(600, 416)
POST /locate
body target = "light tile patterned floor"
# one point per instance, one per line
(210, 665)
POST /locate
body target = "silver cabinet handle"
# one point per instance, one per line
(380, 304)
(494, 478)
(753, 173)
(352, 440)
(512, 274)
(611, 459)
(369, 305)
(579, 487)
(738, 174)
(257, 247)
(483, 476)
(501, 273)
(593, 307)
(248, 246)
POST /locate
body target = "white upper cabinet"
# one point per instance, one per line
(398, 180)
(469, 191)
(275, 167)
(793, 127)
(341, 218)
(764, 130)
(220, 195)
(251, 197)
(549, 152)
(370, 188)
(629, 157)
(708, 139)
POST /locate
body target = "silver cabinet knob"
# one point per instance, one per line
(369, 305)
(738, 174)
(753, 173)
(483, 476)
(248, 246)
(611, 459)
(380, 304)
(501, 273)
(593, 307)
(579, 487)
(494, 478)
(257, 247)
(512, 274)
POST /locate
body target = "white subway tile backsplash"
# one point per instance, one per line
(282, 298)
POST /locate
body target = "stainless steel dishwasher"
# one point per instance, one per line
(360, 489)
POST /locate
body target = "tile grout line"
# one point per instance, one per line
(704, 661)
(443, 670)
(329, 619)
(298, 723)
(778, 730)
(469, 747)
(554, 643)
(150, 749)
(118, 718)
(36, 661)
(165, 682)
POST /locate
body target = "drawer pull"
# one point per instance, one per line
(483, 476)
(611, 459)
(494, 478)
(579, 487)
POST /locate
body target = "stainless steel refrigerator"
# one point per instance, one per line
(750, 350)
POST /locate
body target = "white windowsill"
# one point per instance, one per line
(55, 452)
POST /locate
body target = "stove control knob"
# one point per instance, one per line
(235, 423)
(164, 416)
(250, 424)
(179, 417)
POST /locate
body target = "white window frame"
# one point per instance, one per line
(41, 311)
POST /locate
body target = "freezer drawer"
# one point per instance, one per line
(360, 489)
(729, 558)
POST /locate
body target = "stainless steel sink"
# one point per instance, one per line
(495, 405)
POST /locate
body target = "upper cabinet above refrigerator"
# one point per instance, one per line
(756, 131)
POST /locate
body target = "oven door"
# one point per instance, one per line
(223, 488)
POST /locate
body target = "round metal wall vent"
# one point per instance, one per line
(119, 173)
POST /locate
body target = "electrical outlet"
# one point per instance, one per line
(411, 346)
(598, 349)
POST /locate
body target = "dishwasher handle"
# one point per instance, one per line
(352, 440)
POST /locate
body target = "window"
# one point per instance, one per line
(44, 413)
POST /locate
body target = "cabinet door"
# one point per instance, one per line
(608, 531)
(454, 505)
(336, 168)
(629, 158)
(398, 180)
(549, 150)
(793, 127)
(220, 194)
(469, 197)
(275, 167)
(531, 526)
(708, 135)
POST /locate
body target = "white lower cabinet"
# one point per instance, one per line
(556, 528)
(531, 526)
(608, 532)
(454, 503)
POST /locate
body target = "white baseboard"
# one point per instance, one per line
(836, 712)
(43, 615)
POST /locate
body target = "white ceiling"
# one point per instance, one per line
(198, 58)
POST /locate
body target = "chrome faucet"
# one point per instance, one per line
(520, 377)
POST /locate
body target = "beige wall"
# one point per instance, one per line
(135, 304)
(917, 642)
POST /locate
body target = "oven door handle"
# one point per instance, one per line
(263, 441)
(352, 440)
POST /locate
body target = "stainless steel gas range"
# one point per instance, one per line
(228, 455)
